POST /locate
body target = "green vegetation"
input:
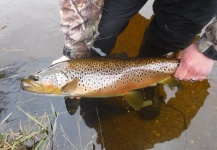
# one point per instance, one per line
(38, 133)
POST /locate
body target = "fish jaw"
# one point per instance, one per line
(35, 87)
(32, 86)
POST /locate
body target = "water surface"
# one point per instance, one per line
(30, 39)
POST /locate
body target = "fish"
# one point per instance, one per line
(101, 77)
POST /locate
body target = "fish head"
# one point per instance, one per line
(48, 81)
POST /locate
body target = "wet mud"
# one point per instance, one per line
(187, 119)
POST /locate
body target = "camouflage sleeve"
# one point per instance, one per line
(207, 44)
(79, 23)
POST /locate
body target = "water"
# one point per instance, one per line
(31, 39)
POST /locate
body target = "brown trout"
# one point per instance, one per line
(101, 77)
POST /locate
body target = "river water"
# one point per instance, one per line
(30, 39)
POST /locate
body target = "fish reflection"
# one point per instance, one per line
(124, 128)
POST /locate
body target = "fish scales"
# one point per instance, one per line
(104, 77)
(116, 76)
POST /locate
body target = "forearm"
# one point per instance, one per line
(207, 44)
(80, 19)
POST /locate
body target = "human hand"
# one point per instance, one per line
(63, 58)
(194, 65)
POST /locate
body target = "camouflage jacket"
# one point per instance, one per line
(80, 20)
(207, 44)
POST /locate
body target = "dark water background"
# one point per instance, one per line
(30, 39)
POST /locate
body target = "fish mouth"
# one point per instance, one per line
(26, 85)
(30, 85)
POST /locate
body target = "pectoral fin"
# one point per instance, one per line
(70, 87)
(136, 100)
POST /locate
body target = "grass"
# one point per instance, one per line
(38, 134)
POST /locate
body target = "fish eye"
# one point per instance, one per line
(34, 77)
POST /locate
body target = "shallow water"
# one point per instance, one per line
(31, 40)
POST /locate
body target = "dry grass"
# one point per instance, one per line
(39, 133)
(36, 133)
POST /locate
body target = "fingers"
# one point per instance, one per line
(194, 65)
(75, 97)
(63, 58)
(181, 72)
(188, 72)
(193, 74)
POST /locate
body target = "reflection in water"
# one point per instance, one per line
(122, 128)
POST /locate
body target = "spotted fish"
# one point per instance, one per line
(101, 77)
